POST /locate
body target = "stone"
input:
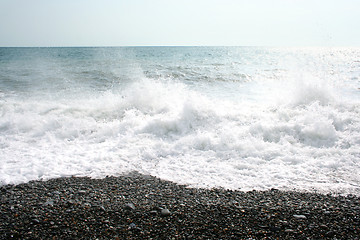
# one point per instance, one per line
(165, 212)
(129, 206)
(206, 214)
(153, 212)
(132, 225)
(49, 202)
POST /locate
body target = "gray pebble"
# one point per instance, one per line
(153, 212)
(165, 212)
(49, 202)
(107, 210)
(300, 216)
(129, 206)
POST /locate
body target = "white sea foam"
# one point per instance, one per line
(301, 136)
(167, 130)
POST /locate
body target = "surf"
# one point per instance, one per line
(280, 129)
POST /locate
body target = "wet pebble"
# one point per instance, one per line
(299, 216)
(153, 212)
(129, 206)
(165, 212)
(85, 208)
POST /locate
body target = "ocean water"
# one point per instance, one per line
(233, 117)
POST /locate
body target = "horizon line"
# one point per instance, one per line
(129, 46)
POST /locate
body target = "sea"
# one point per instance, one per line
(241, 118)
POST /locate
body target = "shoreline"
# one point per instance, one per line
(136, 206)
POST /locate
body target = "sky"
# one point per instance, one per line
(48, 23)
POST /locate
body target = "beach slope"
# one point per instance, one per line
(136, 206)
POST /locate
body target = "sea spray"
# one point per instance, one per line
(194, 120)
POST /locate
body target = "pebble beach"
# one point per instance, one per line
(135, 206)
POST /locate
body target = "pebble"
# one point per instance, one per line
(36, 221)
(129, 206)
(153, 212)
(49, 202)
(330, 234)
(107, 211)
(323, 226)
(165, 212)
(132, 225)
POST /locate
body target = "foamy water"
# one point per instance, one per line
(239, 118)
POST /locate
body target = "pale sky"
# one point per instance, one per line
(179, 23)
